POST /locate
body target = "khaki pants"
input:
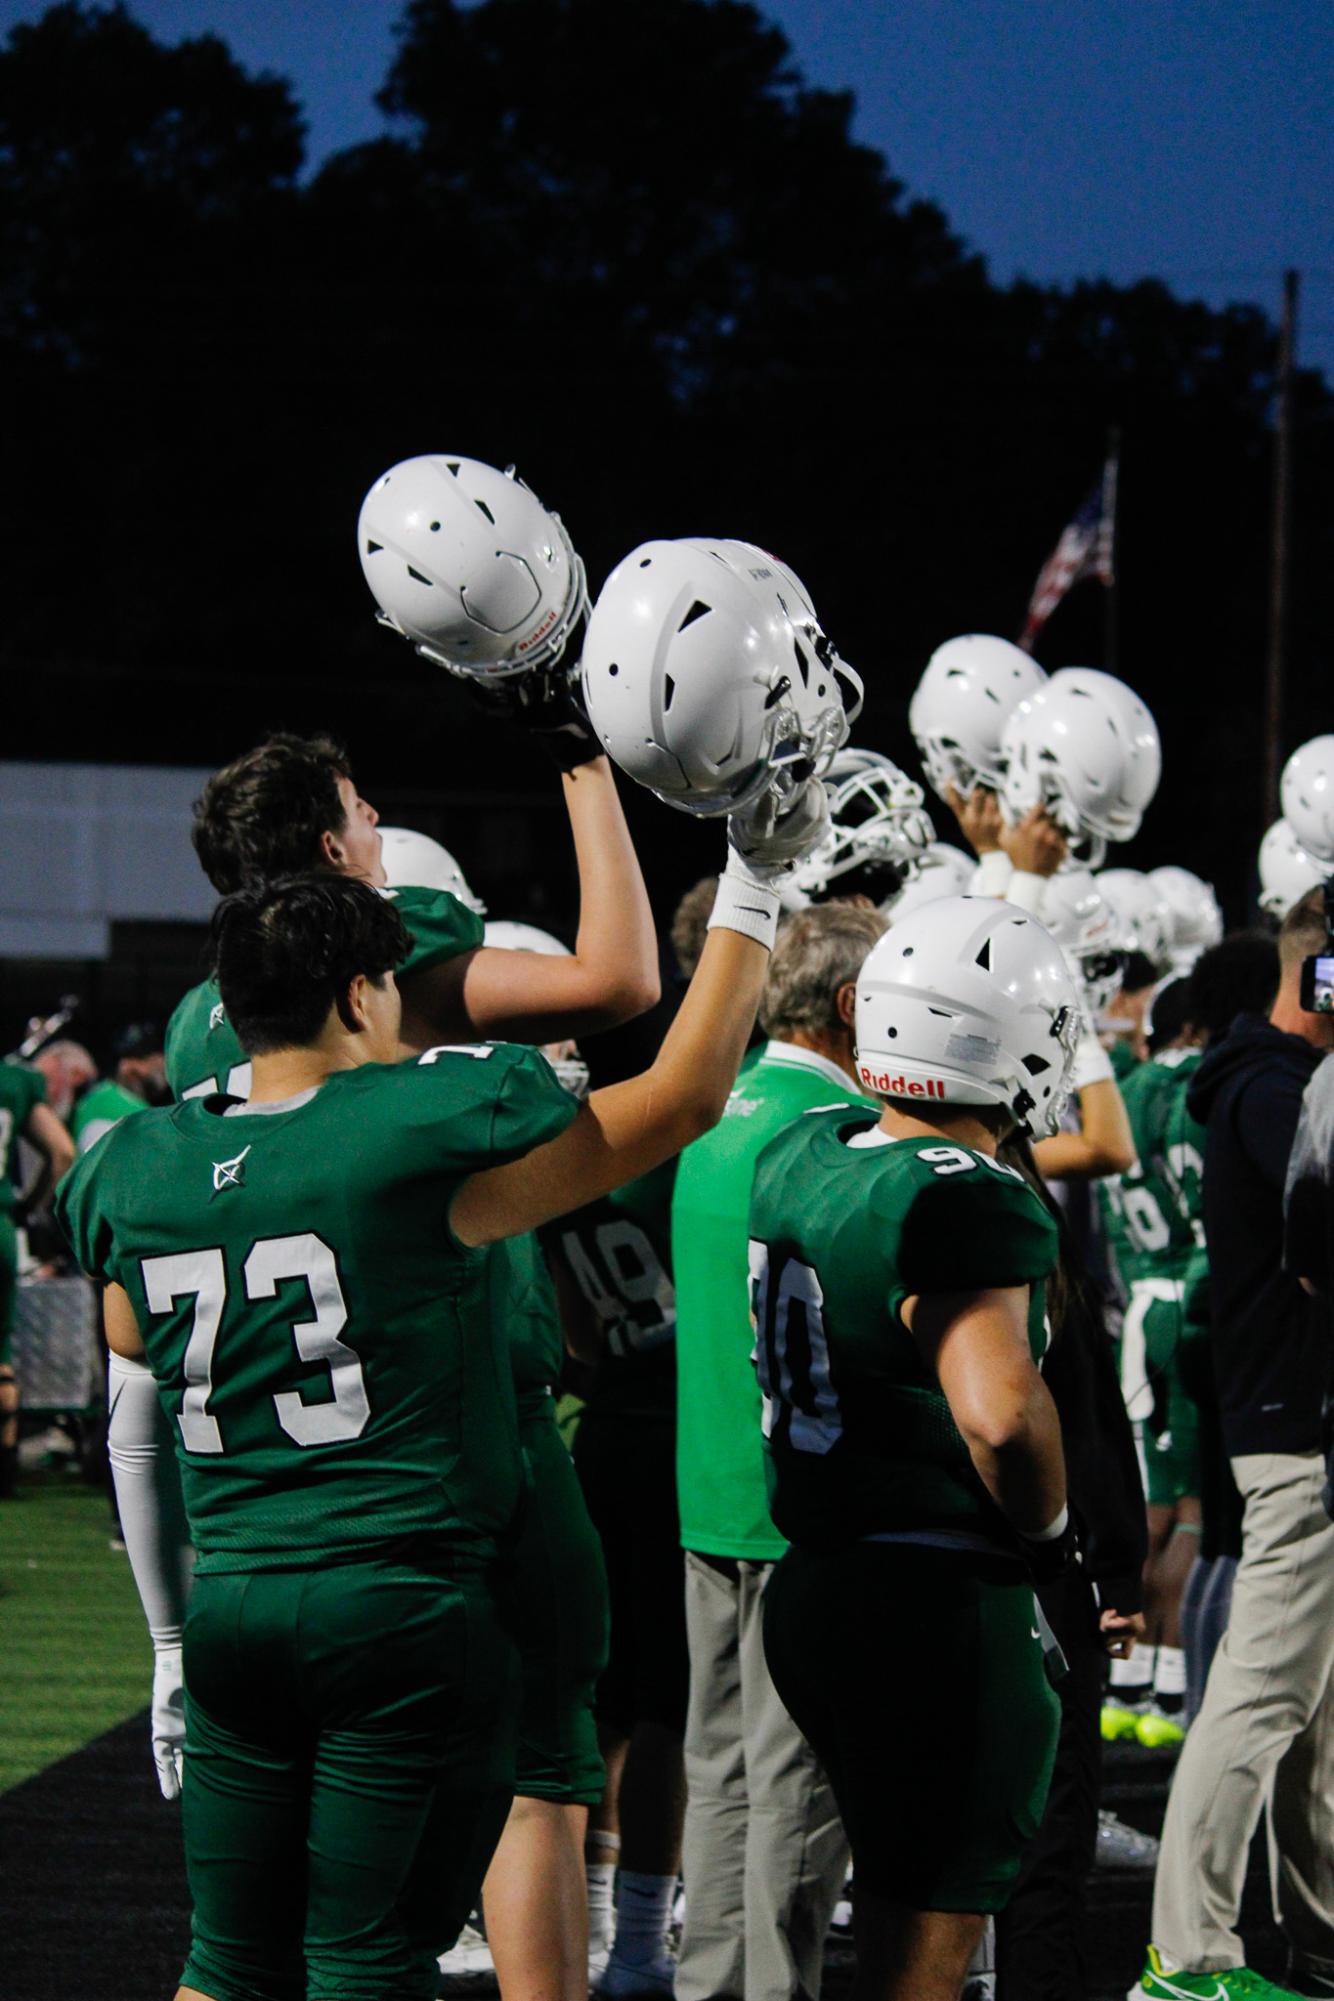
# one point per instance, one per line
(764, 1853)
(1264, 1736)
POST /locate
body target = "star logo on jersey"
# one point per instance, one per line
(217, 1015)
(230, 1173)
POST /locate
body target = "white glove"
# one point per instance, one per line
(768, 840)
(168, 1720)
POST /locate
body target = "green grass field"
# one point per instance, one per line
(74, 1647)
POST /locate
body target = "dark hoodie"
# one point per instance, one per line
(1270, 1350)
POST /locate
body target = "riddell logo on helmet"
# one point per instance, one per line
(900, 1087)
(532, 639)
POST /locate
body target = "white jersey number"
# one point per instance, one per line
(203, 1276)
(791, 1352)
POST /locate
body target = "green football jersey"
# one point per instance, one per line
(1123, 1058)
(324, 1348)
(102, 1106)
(860, 1436)
(618, 1252)
(202, 1052)
(524, 1307)
(20, 1090)
(1148, 1234)
(720, 1472)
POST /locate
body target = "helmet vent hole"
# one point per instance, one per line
(1036, 1065)
(482, 508)
(984, 956)
(803, 664)
(374, 548)
(908, 951)
(453, 465)
(697, 610)
(419, 578)
(669, 687)
(645, 563)
(613, 670)
(893, 1035)
(435, 527)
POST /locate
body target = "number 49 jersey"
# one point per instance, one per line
(1151, 1214)
(323, 1347)
(860, 1435)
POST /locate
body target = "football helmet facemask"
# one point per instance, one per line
(877, 823)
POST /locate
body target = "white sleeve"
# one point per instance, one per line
(992, 875)
(148, 1495)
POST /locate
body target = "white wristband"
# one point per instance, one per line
(1092, 1064)
(746, 905)
(1053, 1531)
(1027, 891)
(992, 873)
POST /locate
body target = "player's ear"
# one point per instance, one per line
(846, 1002)
(352, 1009)
(332, 854)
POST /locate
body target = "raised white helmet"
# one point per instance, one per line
(507, 934)
(876, 821)
(1088, 931)
(1143, 913)
(1308, 796)
(466, 562)
(414, 861)
(1196, 917)
(960, 706)
(1287, 871)
(1086, 747)
(707, 679)
(942, 871)
(968, 1001)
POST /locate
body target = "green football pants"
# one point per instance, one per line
(916, 1675)
(560, 1600)
(348, 1768)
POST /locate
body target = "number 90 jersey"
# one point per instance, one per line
(860, 1435)
(323, 1347)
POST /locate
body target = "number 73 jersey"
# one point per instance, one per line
(860, 1435)
(325, 1350)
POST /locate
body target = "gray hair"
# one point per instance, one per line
(818, 951)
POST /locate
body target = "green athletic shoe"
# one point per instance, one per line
(1118, 1722)
(1158, 1731)
(1231, 1983)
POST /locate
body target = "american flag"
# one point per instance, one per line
(1084, 550)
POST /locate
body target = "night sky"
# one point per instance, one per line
(1183, 139)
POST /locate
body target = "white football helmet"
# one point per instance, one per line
(969, 1001)
(942, 871)
(707, 679)
(1196, 917)
(1287, 871)
(414, 861)
(1144, 916)
(507, 934)
(1308, 796)
(466, 562)
(876, 821)
(1088, 931)
(960, 706)
(1087, 748)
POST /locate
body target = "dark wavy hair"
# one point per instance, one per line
(262, 815)
(1237, 976)
(286, 953)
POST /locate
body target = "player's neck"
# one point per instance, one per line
(286, 1073)
(836, 1049)
(961, 1126)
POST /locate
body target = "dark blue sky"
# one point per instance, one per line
(1187, 139)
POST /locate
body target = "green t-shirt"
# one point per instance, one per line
(324, 1348)
(102, 1106)
(202, 1052)
(20, 1090)
(618, 1253)
(860, 1435)
(1148, 1232)
(720, 1475)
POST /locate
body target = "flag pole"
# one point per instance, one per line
(1276, 658)
(1111, 609)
